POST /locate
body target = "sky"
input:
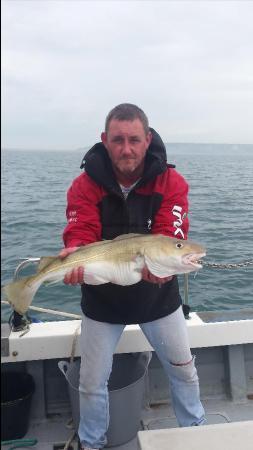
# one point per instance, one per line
(66, 64)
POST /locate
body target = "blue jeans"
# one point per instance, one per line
(169, 338)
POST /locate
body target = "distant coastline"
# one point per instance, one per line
(23, 149)
(175, 145)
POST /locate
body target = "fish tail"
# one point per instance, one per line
(20, 293)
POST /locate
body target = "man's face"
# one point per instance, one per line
(126, 143)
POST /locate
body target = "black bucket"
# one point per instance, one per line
(16, 394)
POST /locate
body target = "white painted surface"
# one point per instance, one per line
(48, 340)
(227, 436)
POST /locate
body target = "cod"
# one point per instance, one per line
(119, 261)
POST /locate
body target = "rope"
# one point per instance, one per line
(73, 350)
(17, 443)
(50, 311)
(66, 446)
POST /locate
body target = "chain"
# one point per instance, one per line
(247, 263)
(227, 266)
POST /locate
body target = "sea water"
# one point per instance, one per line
(34, 186)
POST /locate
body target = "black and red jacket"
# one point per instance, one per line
(97, 209)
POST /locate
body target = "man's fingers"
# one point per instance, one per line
(67, 278)
(80, 274)
(169, 278)
(148, 276)
(75, 276)
(159, 280)
(66, 251)
(145, 273)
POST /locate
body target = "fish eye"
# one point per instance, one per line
(179, 245)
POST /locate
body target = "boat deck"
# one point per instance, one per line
(223, 347)
(53, 433)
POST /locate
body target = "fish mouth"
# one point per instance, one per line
(192, 259)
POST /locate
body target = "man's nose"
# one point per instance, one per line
(126, 147)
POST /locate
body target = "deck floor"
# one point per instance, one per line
(52, 434)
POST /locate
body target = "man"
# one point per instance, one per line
(128, 187)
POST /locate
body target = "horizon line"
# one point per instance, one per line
(88, 147)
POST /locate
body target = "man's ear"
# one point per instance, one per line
(104, 138)
(149, 138)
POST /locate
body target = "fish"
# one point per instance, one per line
(119, 261)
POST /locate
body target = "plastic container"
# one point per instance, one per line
(126, 389)
(17, 389)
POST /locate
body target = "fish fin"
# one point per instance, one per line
(93, 279)
(105, 241)
(44, 262)
(96, 273)
(50, 283)
(127, 236)
(20, 293)
(108, 241)
(159, 268)
(123, 274)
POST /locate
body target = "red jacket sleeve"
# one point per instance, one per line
(84, 225)
(172, 217)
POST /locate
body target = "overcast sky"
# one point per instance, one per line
(65, 64)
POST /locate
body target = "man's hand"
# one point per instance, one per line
(74, 276)
(148, 276)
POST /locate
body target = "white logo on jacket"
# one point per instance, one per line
(72, 216)
(177, 212)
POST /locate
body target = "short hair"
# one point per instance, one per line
(127, 111)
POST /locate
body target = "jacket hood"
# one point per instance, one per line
(97, 163)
